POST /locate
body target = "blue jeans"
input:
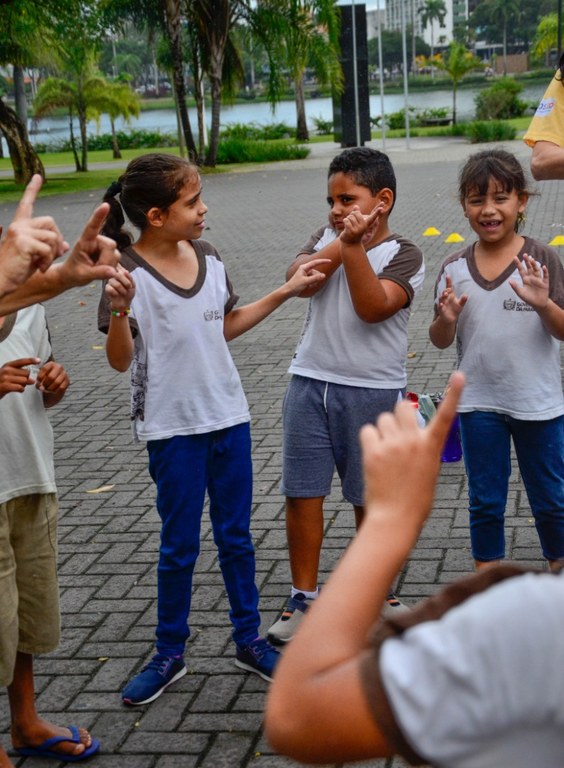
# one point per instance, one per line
(183, 468)
(539, 446)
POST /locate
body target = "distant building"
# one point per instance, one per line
(457, 12)
(372, 18)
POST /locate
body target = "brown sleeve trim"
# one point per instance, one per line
(381, 710)
(431, 609)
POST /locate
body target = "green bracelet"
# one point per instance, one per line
(121, 312)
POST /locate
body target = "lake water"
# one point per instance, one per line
(164, 120)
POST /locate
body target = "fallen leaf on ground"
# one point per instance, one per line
(101, 489)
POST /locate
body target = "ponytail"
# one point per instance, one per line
(114, 224)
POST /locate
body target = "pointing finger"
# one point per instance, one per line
(25, 207)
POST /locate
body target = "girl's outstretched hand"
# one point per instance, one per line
(401, 460)
(450, 305)
(120, 289)
(534, 289)
(306, 276)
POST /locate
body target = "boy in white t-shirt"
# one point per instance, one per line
(349, 365)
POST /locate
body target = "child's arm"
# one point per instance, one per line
(332, 254)
(317, 710)
(119, 344)
(534, 291)
(374, 299)
(53, 381)
(443, 328)
(242, 319)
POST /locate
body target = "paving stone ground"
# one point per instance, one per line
(109, 540)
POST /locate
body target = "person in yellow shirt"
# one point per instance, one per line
(546, 131)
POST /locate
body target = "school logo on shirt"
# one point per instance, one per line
(213, 314)
(545, 107)
(518, 306)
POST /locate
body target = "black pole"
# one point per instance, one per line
(559, 35)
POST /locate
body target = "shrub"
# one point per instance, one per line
(395, 120)
(256, 131)
(237, 150)
(493, 130)
(322, 126)
(132, 139)
(500, 101)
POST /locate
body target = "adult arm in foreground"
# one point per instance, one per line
(317, 710)
(94, 257)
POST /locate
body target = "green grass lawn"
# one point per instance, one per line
(63, 183)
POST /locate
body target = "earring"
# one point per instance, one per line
(520, 218)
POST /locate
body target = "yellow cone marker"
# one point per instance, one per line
(454, 237)
(558, 240)
(431, 232)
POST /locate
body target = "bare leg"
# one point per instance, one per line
(304, 528)
(5, 760)
(28, 729)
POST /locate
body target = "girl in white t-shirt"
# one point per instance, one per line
(169, 314)
(502, 299)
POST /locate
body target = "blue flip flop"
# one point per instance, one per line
(46, 748)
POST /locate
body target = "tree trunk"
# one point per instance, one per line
(116, 152)
(302, 133)
(172, 13)
(73, 143)
(454, 104)
(20, 99)
(82, 122)
(200, 109)
(215, 82)
(25, 160)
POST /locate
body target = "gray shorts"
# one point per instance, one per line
(321, 425)
(29, 592)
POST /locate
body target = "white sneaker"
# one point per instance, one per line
(284, 628)
(393, 607)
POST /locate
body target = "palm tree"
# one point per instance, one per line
(303, 33)
(22, 43)
(432, 11)
(546, 37)
(118, 100)
(166, 16)
(457, 62)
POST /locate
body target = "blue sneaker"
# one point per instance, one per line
(258, 657)
(148, 685)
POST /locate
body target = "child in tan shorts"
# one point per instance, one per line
(30, 382)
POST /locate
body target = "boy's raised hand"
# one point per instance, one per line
(15, 376)
(534, 289)
(306, 276)
(450, 305)
(359, 227)
(401, 460)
